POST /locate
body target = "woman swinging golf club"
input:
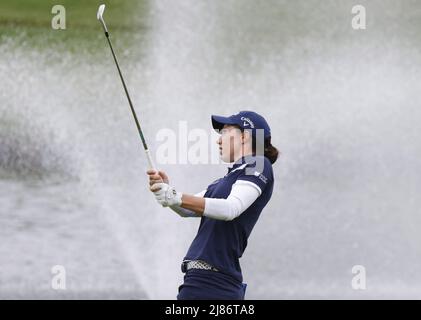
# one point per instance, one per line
(229, 207)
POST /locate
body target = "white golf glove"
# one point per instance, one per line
(167, 195)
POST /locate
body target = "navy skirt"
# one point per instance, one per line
(210, 285)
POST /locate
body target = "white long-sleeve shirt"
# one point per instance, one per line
(243, 194)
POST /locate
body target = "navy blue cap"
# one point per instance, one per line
(243, 119)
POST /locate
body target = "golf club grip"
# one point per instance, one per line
(150, 161)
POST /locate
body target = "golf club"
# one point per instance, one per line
(145, 146)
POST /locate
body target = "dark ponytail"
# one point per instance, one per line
(270, 151)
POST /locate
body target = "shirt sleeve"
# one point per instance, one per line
(259, 175)
(184, 213)
(242, 196)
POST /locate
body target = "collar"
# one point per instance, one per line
(243, 161)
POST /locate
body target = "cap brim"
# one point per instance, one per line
(218, 122)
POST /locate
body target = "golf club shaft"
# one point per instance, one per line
(145, 146)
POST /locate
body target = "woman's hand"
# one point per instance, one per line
(157, 177)
(164, 193)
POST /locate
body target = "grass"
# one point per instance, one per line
(30, 21)
(79, 13)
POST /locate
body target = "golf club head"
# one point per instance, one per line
(101, 19)
(100, 12)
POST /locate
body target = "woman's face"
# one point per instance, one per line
(230, 143)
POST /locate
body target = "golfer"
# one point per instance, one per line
(229, 207)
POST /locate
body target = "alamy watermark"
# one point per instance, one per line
(359, 21)
(58, 281)
(59, 20)
(199, 146)
(359, 280)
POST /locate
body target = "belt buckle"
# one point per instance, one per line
(184, 266)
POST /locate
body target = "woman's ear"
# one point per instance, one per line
(245, 137)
